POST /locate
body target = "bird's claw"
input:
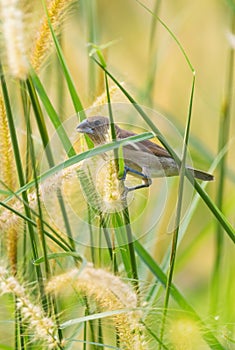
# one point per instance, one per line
(147, 180)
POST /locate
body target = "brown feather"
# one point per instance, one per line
(145, 146)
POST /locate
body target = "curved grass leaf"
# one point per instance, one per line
(53, 115)
(59, 255)
(82, 156)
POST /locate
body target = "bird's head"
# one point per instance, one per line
(97, 128)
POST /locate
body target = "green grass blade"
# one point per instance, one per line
(53, 115)
(225, 120)
(96, 316)
(171, 34)
(178, 215)
(60, 255)
(131, 248)
(120, 235)
(40, 120)
(40, 224)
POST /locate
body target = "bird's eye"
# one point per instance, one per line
(97, 122)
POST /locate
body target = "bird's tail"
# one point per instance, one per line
(201, 175)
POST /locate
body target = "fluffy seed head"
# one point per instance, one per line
(110, 293)
(43, 328)
(14, 36)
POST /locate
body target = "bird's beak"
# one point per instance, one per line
(84, 127)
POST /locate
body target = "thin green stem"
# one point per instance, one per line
(115, 152)
(40, 120)
(178, 216)
(53, 115)
(112, 127)
(121, 237)
(225, 117)
(131, 247)
(23, 338)
(106, 235)
(153, 335)
(170, 32)
(17, 330)
(89, 211)
(40, 225)
(66, 219)
(90, 322)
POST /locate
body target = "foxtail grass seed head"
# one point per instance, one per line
(7, 169)
(7, 175)
(43, 41)
(42, 328)
(100, 184)
(9, 220)
(11, 243)
(14, 37)
(110, 293)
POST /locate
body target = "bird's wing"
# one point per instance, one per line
(144, 146)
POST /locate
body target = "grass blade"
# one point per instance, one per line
(53, 115)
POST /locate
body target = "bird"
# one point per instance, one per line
(143, 159)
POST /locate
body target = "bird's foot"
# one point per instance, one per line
(147, 181)
(127, 169)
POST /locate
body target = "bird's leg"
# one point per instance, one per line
(147, 183)
(127, 169)
(147, 180)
